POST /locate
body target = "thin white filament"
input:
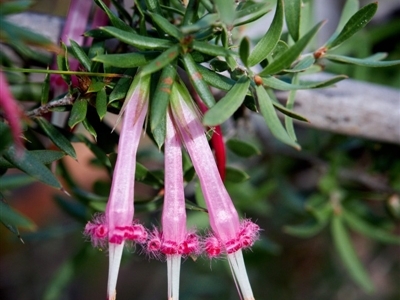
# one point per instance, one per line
(236, 262)
(174, 270)
(115, 254)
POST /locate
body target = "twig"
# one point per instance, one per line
(66, 100)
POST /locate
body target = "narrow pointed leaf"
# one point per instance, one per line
(216, 80)
(242, 148)
(208, 21)
(235, 175)
(275, 83)
(161, 61)
(11, 217)
(78, 112)
(166, 26)
(14, 181)
(356, 23)
(349, 9)
(45, 90)
(271, 118)
(284, 60)
(121, 88)
(197, 80)
(89, 127)
(138, 41)
(56, 137)
(348, 255)
(209, 49)
(292, 16)
(144, 175)
(289, 105)
(302, 65)
(371, 61)
(244, 50)
(80, 55)
(358, 224)
(115, 21)
(126, 60)
(251, 12)
(306, 230)
(226, 10)
(268, 42)
(226, 106)
(29, 164)
(101, 103)
(159, 104)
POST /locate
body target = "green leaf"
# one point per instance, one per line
(96, 150)
(348, 255)
(193, 206)
(161, 61)
(304, 64)
(216, 80)
(89, 127)
(80, 55)
(235, 175)
(45, 90)
(306, 230)
(56, 137)
(166, 26)
(292, 16)
(115, 21)
(242, 148)
(126, 60)
(356, 22)
(11, 217)
(143, 175)
(372, 61)
(95, 86)
(251, 12)
(101, 103)
(268, 42)
(226, 10)
(159, 104)
(274, 83)
(289, 105)
(349, 9)
(209, 49)
(78, 112)
(227, 105)
(284, 60)
(208, 21)
(10, 182)
(271, 118)
(121, 88)
(196, 79)
(244, 50)
(358, 224)
(72, 207)
(138, 41)
(14, 7)
(30, 164)
(62, 64)
(5, 136)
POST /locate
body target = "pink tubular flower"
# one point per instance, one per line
(174, 241)
(117, 224)
(11, 110)
(230, 236)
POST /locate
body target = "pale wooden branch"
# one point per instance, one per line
(41, 110)
(351, 107)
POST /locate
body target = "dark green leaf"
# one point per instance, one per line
(10, 217)
(226, 106)
(284, 60)
(78, 112)
(348, 255)
(235, 175)
(216, 80)
(193, 206)
(126, 60)
(45, 90)
(5, 137)
(62, 64)
(10, 182)
(30, 164)
(268, 42)
(292, 16)
(250, 13)
(142, 174)
(271, 118)
(196, 78)
(95, 86)
(166, 26)
(89, 127)
(80, 55)
(14, 7)
(302, 65)
(208, 21)
(242, 148)
(244, 50)
(101, 103)
(372, 61)
(161, 61)
(122, 86)
(273, 82)
(358, 224)
(43, 156)
(209, 49)
(356, 22)
(117, 22)
(138, 41)
(56, 137)
(159, 104)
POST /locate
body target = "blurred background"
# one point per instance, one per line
(55, 262)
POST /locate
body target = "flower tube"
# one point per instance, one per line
(117, 225)
(174, 241)
(229, 234)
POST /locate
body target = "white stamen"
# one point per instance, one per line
(115, 254)
(174, 269)
(239, 273)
